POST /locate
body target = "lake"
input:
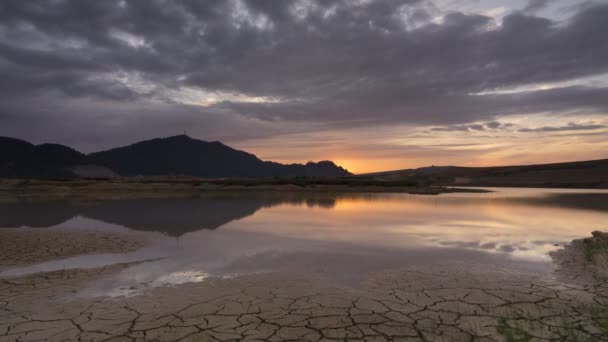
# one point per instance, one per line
(340, 235)
(343, 239)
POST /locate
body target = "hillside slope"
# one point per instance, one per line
(582, 174)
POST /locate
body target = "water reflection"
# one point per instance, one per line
(343, 236)
(174, 217)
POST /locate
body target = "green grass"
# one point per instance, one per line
(595, 251)
(591, 248)
(599, 314)
(516, 327)
(516, 332)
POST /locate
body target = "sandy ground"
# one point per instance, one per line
(442, 302)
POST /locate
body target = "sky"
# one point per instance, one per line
(371, 85)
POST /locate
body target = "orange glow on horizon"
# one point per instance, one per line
(362, 166)
(360, 158)
(359, 166)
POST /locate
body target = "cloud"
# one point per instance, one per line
(337, 64)
(570, 127)
(536, 5)
(493, 125)
(506, 248)
(453, 128)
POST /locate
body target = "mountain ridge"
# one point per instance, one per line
(168, 156)
(572, 174)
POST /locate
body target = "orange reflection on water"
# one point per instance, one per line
(522, 223)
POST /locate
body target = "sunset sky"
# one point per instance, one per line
(371, 85)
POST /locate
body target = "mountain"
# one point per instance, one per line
(178, 155)
(182, 155)
(581, 174)
(19, 158)
(11, 149)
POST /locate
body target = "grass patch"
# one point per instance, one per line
(510, 333)
(521, 328)
(599, 314)
(595, 250)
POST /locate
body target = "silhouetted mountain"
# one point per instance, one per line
(12, 149)
(22, 159)
(36, 214)
(178, 155)
(182, 155)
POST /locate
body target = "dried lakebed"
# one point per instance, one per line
(451, 301)
(28, 246)
(235, 283)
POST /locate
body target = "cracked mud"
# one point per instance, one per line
(22, 246)
(442, 302)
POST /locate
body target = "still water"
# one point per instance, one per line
(342, 236)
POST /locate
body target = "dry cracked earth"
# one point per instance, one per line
(24, 246)
(440, 302)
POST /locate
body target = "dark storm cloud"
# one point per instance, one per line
(459, 128)
(338, 62)
(536, 5)
(453, 128)
(570, 127)
(493, 125)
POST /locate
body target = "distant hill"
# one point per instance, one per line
(178, 155)
(21, 159)
(581, 174)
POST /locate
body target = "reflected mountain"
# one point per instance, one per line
(35, 214)
(174, 217)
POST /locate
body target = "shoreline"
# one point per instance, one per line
(155, 188)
